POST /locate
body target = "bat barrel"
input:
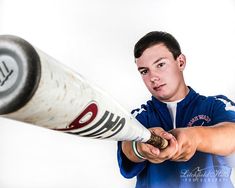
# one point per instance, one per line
(19, 73)
(37, 89)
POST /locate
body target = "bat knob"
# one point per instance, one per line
(20, 72)
(157, 141)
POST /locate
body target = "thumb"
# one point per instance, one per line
(160, 132)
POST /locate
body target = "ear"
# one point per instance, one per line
(181, 60)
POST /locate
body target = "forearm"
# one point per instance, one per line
(218, 139)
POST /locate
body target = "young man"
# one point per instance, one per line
(200, 130)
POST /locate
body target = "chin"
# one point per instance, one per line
(163, 98)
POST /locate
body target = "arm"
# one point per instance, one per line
(218, 139)
(150, 152)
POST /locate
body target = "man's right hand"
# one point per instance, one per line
(150, 152)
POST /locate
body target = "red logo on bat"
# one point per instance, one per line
(85, 118)
(107, 125)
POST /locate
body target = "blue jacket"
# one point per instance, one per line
(203, 170)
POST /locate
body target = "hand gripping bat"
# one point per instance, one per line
(37, 89)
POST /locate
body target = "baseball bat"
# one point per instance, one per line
(37, 89)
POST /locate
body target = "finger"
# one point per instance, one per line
(182, 156)
(148, 150)
(170, 151)
(162, 133)
(154, 151)
(176, 157)
(157, 161)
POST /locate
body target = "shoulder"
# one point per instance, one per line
(148, 107)
(224, 109)
(220, 100)
(142, 114)
(216, 104)
(223, 101)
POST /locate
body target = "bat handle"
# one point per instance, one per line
(157, 141)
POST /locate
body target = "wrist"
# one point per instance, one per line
(198, 135)
(136, 152)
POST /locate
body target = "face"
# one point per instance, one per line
(162, 74)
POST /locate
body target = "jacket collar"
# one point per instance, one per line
(191, 95)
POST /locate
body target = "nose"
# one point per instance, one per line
(154, 78)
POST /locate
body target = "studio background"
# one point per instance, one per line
(96, 39)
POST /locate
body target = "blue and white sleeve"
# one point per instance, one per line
(224, 110)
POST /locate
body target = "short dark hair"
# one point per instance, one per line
(157, 37)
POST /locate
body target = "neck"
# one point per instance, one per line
(183, 91)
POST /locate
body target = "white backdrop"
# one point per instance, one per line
(96, 38)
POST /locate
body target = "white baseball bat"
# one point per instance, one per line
(37, 89)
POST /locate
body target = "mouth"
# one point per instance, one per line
(159, 87)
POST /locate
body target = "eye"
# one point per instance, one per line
(143, 72)
(160, 65)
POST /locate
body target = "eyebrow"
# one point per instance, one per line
(159, 59)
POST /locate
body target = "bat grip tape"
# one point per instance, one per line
(157, 141)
